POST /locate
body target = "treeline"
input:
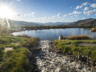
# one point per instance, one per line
(53, 27)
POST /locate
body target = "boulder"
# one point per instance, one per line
(60, 37)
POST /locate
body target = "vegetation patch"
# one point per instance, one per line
(93, 29)
(75, 48)
(31, 42)
(78, 37)
(15, 61)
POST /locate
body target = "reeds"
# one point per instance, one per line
(78, 37)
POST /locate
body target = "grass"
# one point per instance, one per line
(25, 36)
(78, 37)
(16, 60)
(93, 29)
(75, 48)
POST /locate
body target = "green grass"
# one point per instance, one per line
(75, 48)
(16, 60)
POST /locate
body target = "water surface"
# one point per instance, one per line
(51, 34)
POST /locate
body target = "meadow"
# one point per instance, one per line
(15, 60)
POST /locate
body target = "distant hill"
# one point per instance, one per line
(90, 21)
(24, 23)
(56, 23)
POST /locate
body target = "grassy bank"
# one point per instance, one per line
(15, 60)
(93, 29)
(78, 37)
(73, 47)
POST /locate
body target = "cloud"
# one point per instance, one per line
(83, 18)
(86, 8)
(25, 15)
(64, 15)
(89, 12)
(59, 17)
(32, 14)
(83, 4)
(74, 16)
(18, 0)
(86, 3)
(93, 5)
(78, 7)
(59, 14)
(53, 17)
(19, 14)
(45, 18)
(75, 12)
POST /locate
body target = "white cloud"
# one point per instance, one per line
(45, 18)
(89, 12)
(75, 12)
(83, 4)
(59, 17)
(25, 15)
(64, 15)
(74, 16)
(93, 5)
(95, 14)
(78, 7)
(86, 8)
(59, 14)
(86, 3)
(53, 17)
(18, 0)
(83, 18)
(19, 15)
(32, 14)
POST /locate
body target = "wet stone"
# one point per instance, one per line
(52, 62)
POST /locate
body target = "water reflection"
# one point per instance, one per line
(51, 34)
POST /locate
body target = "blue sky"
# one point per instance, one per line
(51, 10)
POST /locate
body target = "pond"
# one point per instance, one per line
(52, 34)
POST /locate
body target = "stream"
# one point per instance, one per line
(52, 62)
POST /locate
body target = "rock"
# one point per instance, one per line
(60, 37)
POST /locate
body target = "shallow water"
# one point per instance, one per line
(51, 34)
(52, 62)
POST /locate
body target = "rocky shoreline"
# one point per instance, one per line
(52, 60)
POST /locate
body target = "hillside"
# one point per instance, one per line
(89, 21)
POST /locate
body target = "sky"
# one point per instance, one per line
(51, 10)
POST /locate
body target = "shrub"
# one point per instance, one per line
(25, 36)
(36, 38)
(30, 43)
(79, 37)
(1, 54)
(93, 29)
